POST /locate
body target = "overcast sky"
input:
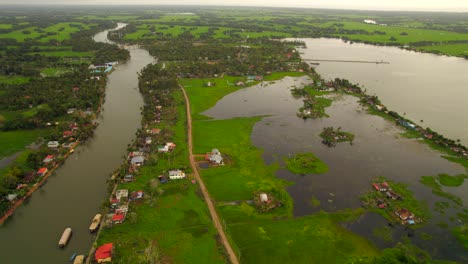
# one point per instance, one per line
(429, 5)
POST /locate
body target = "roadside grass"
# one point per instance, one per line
(14, 141)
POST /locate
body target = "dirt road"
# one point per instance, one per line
(206, 195)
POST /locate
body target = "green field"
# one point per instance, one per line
(14, 141)
(450, 49)
(13, 79)
(59, 32)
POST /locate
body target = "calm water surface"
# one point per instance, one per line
(378, 150)
(75, 192)
(424, 86)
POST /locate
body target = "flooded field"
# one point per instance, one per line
(377, 150)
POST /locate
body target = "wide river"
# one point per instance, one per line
(74, 194)
(424, 86)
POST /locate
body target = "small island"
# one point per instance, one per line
(331, 136)
(306, 163)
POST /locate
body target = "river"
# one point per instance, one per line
(426, 87)
(377, 150)
(74, 194)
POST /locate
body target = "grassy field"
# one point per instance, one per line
(449, 49)
(59, 32)
(273, 237)
(54, 71)
(13, 79)
(14, 141)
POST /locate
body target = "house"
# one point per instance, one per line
(148, 140)
(137, 195)
(67, 133)
(240, 83)
(12, 197)
(122, 193)
(137, 161)
(119, 216)
(53, 144)
(75, 89)
(154, 131)
(162, 179)
(74, 126)
(42, 171)
(263, 197)
(392, 195)
(214, 157)
(68, 144)
(166, 148)
(128, 178)
(71, 111)
(104, 253)
(135, 154)
(176, 174)
(48, 159)
(404, 214)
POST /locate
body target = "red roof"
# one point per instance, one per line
(50, 157)
(76, 88)
(376, 186)
(118, 217)
(104, 251)
(67, 133)
(42, 170)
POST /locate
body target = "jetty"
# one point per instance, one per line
(348, 61)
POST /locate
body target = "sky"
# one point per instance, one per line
(418, 5)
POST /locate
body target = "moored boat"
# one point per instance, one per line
(95, 223)
(65, 237)
(73, 257)
(79, 259)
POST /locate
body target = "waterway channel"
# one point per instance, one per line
(73, 195)
(378, 150)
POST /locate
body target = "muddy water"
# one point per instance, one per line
(424, 86)
(73, 195)
(377, 150)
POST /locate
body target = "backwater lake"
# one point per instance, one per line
(377, 150)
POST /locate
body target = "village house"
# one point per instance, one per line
(128, 178)
(214, 157)
(148, 140)
(153, 131)
(53, 144)
(42, 171)
(404, 214)
(12, 197)
(48, 159)
(104, 253)
(176, 174)
(166, 148)
(71, 111)
(137, 195)
(137, 161)
(263, 197)
(68, 144)
(67, 134)
(121, 193)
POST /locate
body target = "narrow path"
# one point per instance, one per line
(206, 195)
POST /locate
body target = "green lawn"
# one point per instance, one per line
(14, 141)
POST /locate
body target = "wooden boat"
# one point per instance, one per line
(95, 223)
(79, 259)
(65, 237)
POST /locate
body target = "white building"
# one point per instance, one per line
(176, 174)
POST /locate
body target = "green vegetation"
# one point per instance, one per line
(384, 233)
(14, 141)
(434, 183)
(306, 163)
(452, 181)
(331, 136)
(314, 202)
(461, 233)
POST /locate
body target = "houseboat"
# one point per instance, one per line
(79, 259)
(65, 237)
(95, 223)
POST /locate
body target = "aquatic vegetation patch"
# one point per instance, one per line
(436, 186)
(306, 163)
